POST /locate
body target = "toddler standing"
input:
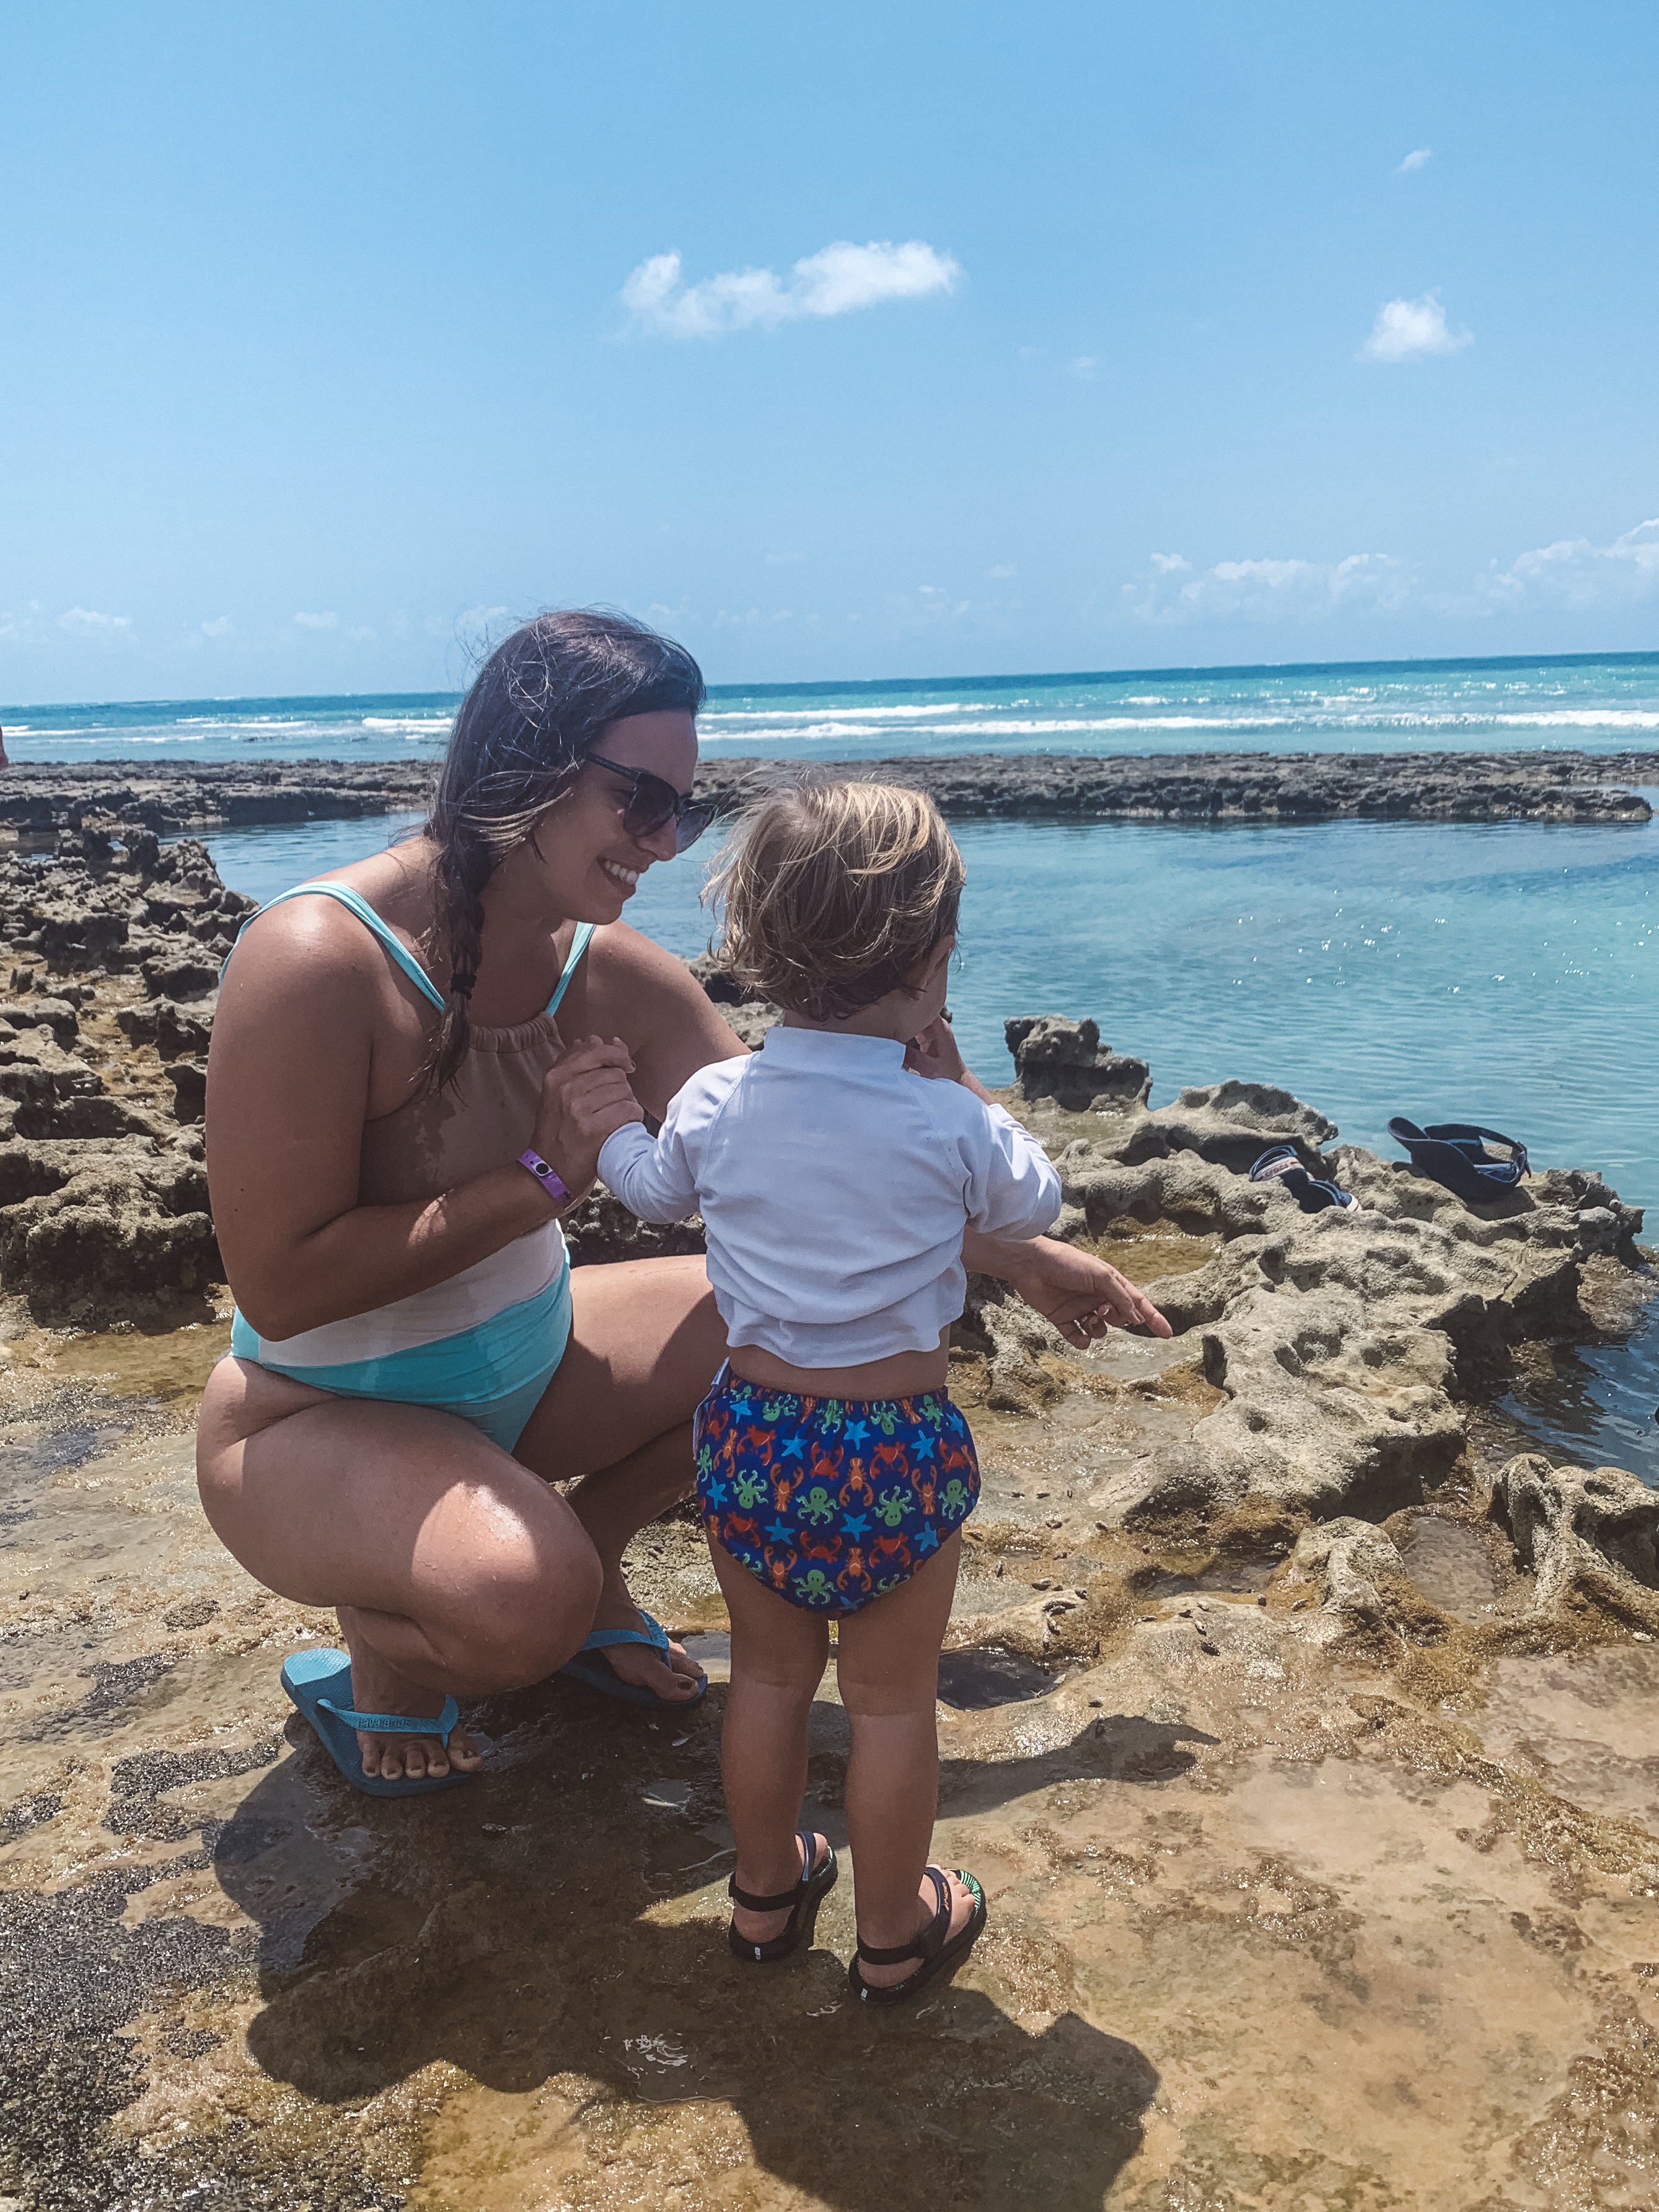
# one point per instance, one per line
(835, 1170)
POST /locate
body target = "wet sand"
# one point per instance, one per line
(1276, 1922)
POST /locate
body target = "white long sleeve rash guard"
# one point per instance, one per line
(835, 1186)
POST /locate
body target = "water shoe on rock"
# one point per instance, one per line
(1314, 1195)
(1454, 1153)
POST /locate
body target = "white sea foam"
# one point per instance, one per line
(1049, 725)
(846, 714)
(1581, 717)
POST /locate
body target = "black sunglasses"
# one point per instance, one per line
(655, 801)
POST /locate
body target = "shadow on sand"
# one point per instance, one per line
(564, 1917)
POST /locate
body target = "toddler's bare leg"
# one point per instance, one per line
(779, 1653)
(887, 1663)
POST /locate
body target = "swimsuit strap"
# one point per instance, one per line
(354, 902)
(578, 946)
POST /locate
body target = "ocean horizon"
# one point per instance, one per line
(1596, 702)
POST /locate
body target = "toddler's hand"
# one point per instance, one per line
(935, 1053)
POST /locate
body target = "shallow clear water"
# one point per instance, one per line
(1601, 1408)
(1507, 974)
(262, 862)
(1599, 703)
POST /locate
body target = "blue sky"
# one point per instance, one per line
(334, 338)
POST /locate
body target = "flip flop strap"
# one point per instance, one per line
(924, 1945)
(654, 1636)
(809, 1852)
(438, 1724)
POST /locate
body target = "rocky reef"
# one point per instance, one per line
(1553, 786)
(113, 947)
(1301, 1720)
(37, 798)
(170, 796)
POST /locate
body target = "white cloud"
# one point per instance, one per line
(1002, 571)
(221, 626)
(1419, 158)
(1265, 591)
(1574, 573)
(1405, 329)
(317, 621)
(833, 281)
(1083, 367)
(86, 622)
(24, 623)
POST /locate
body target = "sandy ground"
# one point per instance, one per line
(1276, 1922)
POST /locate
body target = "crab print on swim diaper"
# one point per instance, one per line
(832, 1502)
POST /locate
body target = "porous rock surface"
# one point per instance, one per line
(1553, 786)
(114, 944)
(1589, 1536)
(1346, 1347)
(37, 798)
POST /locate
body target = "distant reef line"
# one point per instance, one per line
(39, 798)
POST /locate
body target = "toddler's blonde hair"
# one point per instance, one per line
(834, 893)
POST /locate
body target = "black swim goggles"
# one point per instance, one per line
(655, 801)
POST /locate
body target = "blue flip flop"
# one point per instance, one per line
(609, 1684)
(320, 1683)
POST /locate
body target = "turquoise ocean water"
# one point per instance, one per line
(1507, 975)
(1602, 703)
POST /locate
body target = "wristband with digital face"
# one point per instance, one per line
(549, 1178)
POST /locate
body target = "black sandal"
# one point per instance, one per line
(938, 1957)
(803, 1900)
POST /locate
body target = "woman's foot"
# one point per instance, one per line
(962, 1911)
(671, 1677)
(766, 1927)
(378, 1687)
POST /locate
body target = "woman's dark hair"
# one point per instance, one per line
(535, 709)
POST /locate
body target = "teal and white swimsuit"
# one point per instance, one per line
(485, 1343)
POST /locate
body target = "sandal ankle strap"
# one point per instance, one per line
(751, 1902)
(921, 1947)
(882, 1955)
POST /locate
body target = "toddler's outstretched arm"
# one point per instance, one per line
(655, 1178)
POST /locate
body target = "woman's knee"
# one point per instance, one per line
(530, 1604)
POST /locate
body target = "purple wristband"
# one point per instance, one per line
(551, 1181)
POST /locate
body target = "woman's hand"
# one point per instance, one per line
(585, 1097)
(1080, 1295)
